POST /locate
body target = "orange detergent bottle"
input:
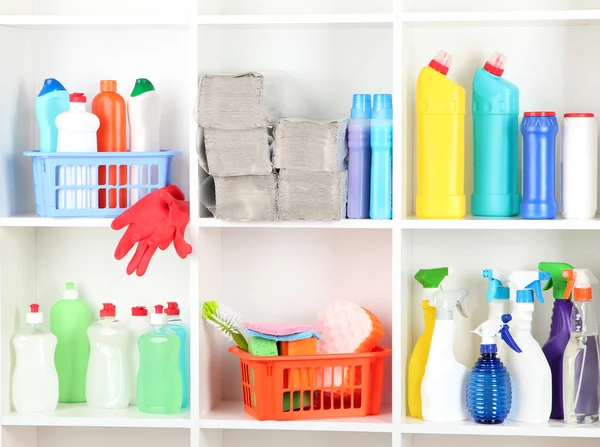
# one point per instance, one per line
(110, 108)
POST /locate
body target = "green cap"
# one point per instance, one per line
(70, 286)
(431, 278)
(557, 283)
(142, 85)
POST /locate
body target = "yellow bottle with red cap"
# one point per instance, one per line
(440, 142)
(581, 367)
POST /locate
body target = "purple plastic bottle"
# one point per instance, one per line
(560, 331)
(359, 163)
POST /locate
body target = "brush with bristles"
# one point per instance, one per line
(226, 320)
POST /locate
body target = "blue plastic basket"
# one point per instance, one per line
(66, 183)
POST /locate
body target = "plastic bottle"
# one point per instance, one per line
(444, 384)
(52, 100)
(495, 142)
(581, 367)
(560, 331)
(77, 130)
(34, 379)
(529, 370)
(143, 107)
(359, 163)
(539, 131)
(579, 166)
(440, 142)
(175, 323)
(431, 280)
(110, 108)
(69, 322)
(381, 157)
(108, 377)
(498, 297)
(159, 387)
(138, 324)
(489, 393)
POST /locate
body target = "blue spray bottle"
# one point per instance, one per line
(381, 157)
(489, 393)
(51, 102)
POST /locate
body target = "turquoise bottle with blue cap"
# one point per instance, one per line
(530, 371)
(489, 390)
(52, 100)
(381, 157)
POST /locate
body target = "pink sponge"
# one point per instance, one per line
(282, 328)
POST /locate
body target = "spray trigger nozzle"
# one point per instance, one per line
(446, 300)
(524, 279)
(578, 279)
(490, 329)
(496, 289)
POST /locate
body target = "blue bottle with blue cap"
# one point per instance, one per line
(381, 157)
(489, 390)
(51, 102)
(359, 163)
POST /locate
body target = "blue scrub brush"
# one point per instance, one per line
(226, 320)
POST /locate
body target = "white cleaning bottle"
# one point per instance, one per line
(108, 378)
(138, 324)
(444, 384)
(35, 381)
(143, 111)
(530, 372)
(77, 133)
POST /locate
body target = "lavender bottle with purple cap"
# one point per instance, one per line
(359, 163)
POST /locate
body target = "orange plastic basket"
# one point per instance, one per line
(312, 387)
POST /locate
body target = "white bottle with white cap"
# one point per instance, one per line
(579, 166)
(34, 381)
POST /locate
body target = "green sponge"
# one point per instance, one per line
(261, 347)
(297, 404)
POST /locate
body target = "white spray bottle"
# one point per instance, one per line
(530, 372)
(444, 384)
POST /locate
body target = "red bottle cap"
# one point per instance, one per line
(77, 97)
(441, 62)
(35, 308)
(159, 308)
(139, 311)
(495, 64)
(539, 114)
(579, 115)
(109, 310)
(172, 308)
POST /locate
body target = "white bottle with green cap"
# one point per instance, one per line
(143, 111)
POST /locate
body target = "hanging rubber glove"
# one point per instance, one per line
(146, 217)
(174, 228)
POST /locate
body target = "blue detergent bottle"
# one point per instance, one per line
(381, 157)
(539, 130)
(489, 392)
(51, 102)
(495, 142)
(175, 323)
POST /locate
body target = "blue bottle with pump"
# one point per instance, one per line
(539, 130)
(495, 142)
(52, 100)
(489, 392)
(381, 157)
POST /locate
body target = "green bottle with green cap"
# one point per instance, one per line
(560, 331)
(431, 280)
(69, 321)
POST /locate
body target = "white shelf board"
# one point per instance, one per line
(510, 223)
(231, 415)
(33, 220)
(93, 22)
(559, 17)
(507, 428)
(80, 415)
(294, 19)
(209, 222)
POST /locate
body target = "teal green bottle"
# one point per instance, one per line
(495, 142)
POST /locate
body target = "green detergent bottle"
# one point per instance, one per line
(159, 384)
(69, 322)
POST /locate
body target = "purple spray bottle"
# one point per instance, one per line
(560, 331)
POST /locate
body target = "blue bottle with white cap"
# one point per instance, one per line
(359, 163)
(52, 100)
(381, 157)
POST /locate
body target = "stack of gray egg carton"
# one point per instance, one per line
(235, 115)
(313, 169)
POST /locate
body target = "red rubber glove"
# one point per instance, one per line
(145, 217)
(174, 228)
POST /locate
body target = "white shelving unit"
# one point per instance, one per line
(329, 50)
